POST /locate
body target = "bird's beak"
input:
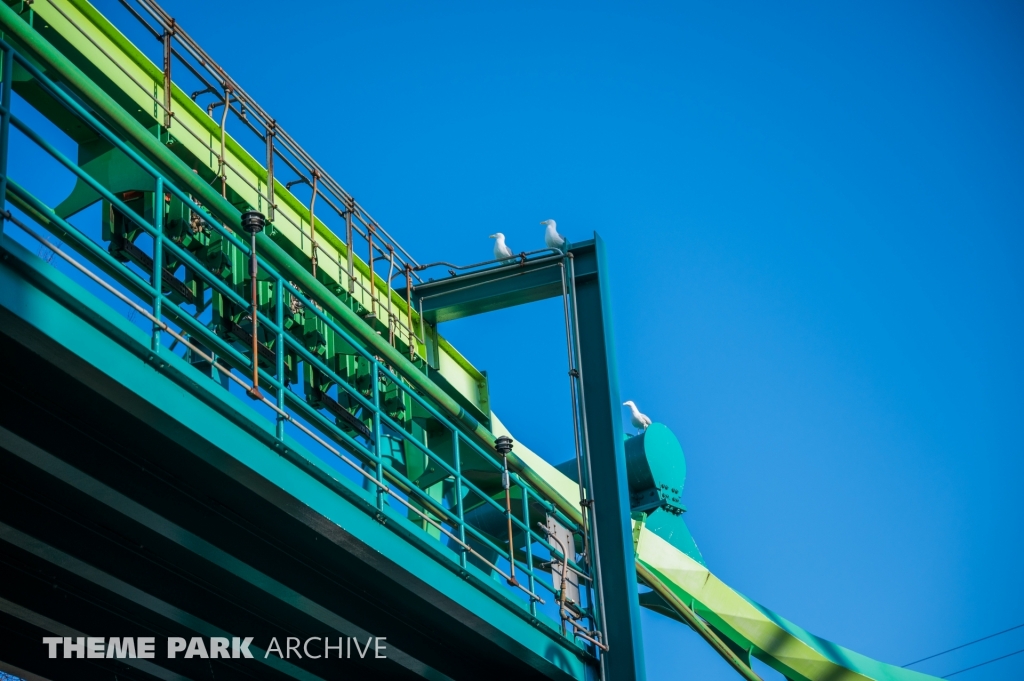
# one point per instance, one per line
(493, 236)
(544, 222)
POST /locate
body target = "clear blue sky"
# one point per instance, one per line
(814, 216)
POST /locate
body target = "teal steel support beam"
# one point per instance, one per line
(498, 288)
(7, 74)
(602, 413)
(466, 295)
(44, 312)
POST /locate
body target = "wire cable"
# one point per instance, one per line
(995, 659)
(983, 638)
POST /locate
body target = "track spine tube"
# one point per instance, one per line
(170, 165)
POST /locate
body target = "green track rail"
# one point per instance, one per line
(685, 589)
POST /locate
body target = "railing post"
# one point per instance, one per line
(375, 375)
(158, 261)
(529, 547)
(168, 114)
(350, 264)
(221, 160)
(369, 264)
(5, 126)
(312, 220)
(503, 446)
(279, 347)
(271, 132)
(253, 222)
(457, 460)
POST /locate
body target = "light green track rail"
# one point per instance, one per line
(685, 589)
(204, 138)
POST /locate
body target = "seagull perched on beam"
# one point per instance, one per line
(552, 239)
(639, 421)
(501, 249)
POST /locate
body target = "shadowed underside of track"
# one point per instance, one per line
(119, 517)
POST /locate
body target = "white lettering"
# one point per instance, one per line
(121, 647)
(305, 649)
(219, 647)
(78, 647)
(270, 649)
(379, 647)
(242, 649)
(174, 645)
(146, 645)
(52, 642)
(328, 647)
(289, 646)
(196, 648)
(93, 647)
(363, 652)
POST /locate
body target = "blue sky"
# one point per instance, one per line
(814, 218)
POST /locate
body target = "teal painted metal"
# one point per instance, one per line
(383, 387)
(499, 288)
(657, 472)
(603, 457)
(48, 305)
(7, 73)
(607, 472)
(387, 479)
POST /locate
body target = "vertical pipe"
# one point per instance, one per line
(391, 318)
(253, 222)
(379, 474)
(588, 467)
(508, 516)
(5, 126)
(158, 262)
(271, 195)
(348, 249)
(223, 134)
(369, 264)
(312, 220)
(573, 375)
(529, 548)
(168, 35)
(574, 392)
(279, 347)
(457, 462)
(408, 312)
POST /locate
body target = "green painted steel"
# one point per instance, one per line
(583, 271)
(388, 405)
(684, 588)
(792, 651)
(606, 474)
(479, 292)
(45, 309)
(423, 426)
(170, 164)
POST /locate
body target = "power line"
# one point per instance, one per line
(983, 638)
(995, 659)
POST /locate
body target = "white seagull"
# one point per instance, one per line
(639, 421)
(501, 249)
(552, 239)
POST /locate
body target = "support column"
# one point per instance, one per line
(603, 412)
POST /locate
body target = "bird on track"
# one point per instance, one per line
(639, 421)
(552, 239)
(501, 249)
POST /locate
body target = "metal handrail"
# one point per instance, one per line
(271, 129)
(163, 306)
